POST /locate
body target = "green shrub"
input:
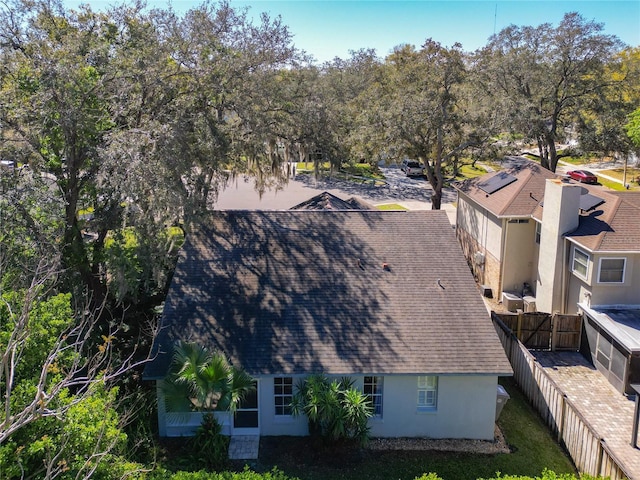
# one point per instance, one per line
(210, 449)
(546, 475)
(335, 409)
(246, 474)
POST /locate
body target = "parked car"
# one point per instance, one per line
(583, 176)
(412, 168)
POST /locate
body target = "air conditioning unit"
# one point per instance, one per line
(529, 303)
(478, 258)
(512, 301)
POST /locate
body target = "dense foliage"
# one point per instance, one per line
(123, 126)
(204, 380)
(335, 409)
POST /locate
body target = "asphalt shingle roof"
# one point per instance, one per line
(328, 201)
(287, 292)
(517, 199)
(612, 226)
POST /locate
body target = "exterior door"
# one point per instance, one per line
(245, 421)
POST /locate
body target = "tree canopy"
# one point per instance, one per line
(124, 125)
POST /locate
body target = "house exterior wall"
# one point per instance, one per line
(591, 291)
(466, 407)
(625, 293)
(270, 423)
(482, 225)
(519, 254)
(480, 231)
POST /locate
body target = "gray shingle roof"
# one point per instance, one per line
(287, 292)
(328, 201)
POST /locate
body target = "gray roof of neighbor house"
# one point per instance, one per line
(328, 201)
(296, 292)
(518, 198)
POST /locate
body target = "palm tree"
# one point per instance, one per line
(204, 380)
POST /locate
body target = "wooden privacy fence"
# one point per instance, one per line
(587, 449)
(543, 331)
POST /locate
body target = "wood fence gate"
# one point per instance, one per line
(544, 331)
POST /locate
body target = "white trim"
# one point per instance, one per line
(282, 416)
(251, 430)
(624, 270)
(573, 262)
(425, 384)
(377, 386)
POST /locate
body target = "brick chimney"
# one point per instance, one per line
(560, 215)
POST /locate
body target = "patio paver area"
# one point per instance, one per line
(609, 412)
(244, 447)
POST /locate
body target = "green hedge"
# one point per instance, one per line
(247, 474)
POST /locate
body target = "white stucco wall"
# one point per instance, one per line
(270, 424)
(519, 254)
(465, 409)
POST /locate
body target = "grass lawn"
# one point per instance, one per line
(632, 174)
(610, 184)
(391, 206)
(533, 449)
(468, 171)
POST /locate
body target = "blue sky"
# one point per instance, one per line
(330, 28)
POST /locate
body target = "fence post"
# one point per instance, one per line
(563, 402)
(598, 471)
(554, 331)
(519, 328)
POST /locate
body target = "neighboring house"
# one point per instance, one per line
(496, 228)
(328, 201)
(385, 298)
(564, 246)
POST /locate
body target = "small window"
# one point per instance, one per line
(519, 220)
(373, 388)
(580, 263)
(427, 393)
(611, 270)
(283, 394)
(538, 232)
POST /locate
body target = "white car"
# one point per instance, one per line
(412, 168)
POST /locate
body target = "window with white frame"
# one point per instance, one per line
(611, 270)
(538, 232)
(283, 395)
(580, 263)
(373, 389)
(427, 392)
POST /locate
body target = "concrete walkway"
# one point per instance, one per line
(244, 447)
(609, 412)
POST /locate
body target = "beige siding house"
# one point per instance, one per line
(546, 243)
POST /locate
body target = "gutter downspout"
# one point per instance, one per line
(565, 276)
(505, 236)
